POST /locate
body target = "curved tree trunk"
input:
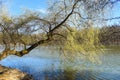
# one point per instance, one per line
(6, 53)
(50, 37)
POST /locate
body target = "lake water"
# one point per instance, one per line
(45, 65)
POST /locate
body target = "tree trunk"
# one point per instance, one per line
(50, 35)
(6, 53)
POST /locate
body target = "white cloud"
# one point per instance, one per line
(43, 11)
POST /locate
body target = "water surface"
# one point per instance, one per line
(43, 64)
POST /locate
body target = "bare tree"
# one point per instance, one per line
(61, 16)
(110, 35)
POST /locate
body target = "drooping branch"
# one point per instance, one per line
(113, 18)
(50, 26)
(50, 33)
(48, 39)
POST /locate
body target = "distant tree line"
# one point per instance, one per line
(110, 35)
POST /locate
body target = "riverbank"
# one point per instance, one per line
(13, 74)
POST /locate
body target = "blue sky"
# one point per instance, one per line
(114, 12)
(16, 8)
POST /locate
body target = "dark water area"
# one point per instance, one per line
(44, 65)
(81, 75)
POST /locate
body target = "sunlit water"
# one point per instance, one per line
(45, 65)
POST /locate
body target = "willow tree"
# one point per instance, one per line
(55, 26)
